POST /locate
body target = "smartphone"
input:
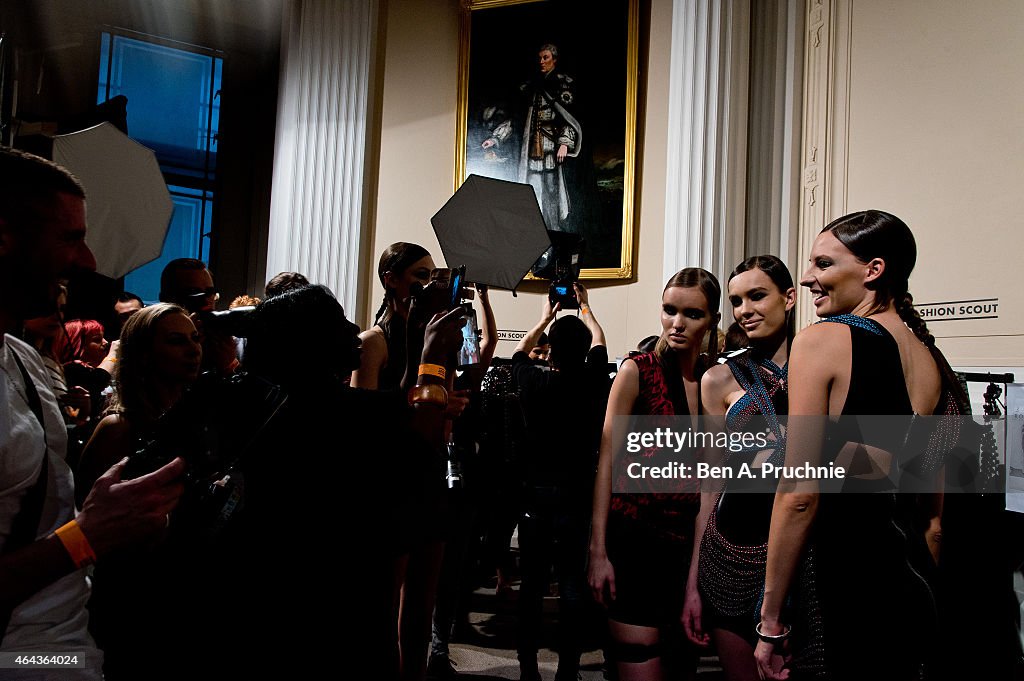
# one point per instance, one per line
(456, 283)
(469, 353)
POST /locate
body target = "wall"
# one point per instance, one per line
(935, 103)
(417, 160)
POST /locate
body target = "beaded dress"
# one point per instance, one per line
(734, 548)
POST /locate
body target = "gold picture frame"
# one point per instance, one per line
(505, 89)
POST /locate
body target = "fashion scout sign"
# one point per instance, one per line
(960, 310)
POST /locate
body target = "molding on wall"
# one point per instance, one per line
(773, 165)
(317, 202)
(707, 133)
(825, 127)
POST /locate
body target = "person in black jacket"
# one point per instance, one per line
(564, 408)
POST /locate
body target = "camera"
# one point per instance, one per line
(212, 427)
(561, 264)
(236, 322)
(445, 292)
(563, 292)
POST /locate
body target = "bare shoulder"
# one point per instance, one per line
(373, 336)
(716, 386)
(824, 348)
(628, 369)
(112, 428)
(716, 378)
(373, 357)
(823, 338)
(374, 345)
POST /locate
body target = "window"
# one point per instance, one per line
(173, 93)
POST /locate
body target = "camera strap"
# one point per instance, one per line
(26, 522)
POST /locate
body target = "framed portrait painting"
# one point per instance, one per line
(547, 97)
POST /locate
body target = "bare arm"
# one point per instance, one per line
(109, 363)
(588, 316)
(547, 315)
(442, 337)
(714, 386)
(114, 514)
(625, 390)
(489, 328)
(817, 352)
(372, 359)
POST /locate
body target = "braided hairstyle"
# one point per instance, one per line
(873, 234)
(695, 277)
(396, 259)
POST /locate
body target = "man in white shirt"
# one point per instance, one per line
(44, 547)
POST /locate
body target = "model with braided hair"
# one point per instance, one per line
(861, 608)
(402, 268)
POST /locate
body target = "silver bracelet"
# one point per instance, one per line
(777, 638)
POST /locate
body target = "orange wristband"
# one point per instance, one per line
(432, 370)
(75, 543)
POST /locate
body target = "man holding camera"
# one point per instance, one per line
(45, 547)
(564, 408)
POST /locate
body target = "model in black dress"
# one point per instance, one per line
(842, 600)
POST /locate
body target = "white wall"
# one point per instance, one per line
(936, 105)
(417, 160)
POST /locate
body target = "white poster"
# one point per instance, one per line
(1015, 447)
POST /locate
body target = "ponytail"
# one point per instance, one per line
(904, 305)
(908, 313)
(379, 318)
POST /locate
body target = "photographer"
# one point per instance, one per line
(339, 468)
(564, 408)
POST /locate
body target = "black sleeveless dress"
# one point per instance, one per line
(859, 608)
(734, 548)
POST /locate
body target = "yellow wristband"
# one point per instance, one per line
(76, 544)
(432, 370)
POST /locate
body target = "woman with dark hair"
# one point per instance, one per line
(640, 544)
(858, 606)
(727, 570)
(403, 269)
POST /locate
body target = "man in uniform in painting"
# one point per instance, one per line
(551, 140)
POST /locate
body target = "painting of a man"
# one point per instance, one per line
(546, 104)
(550, 136)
